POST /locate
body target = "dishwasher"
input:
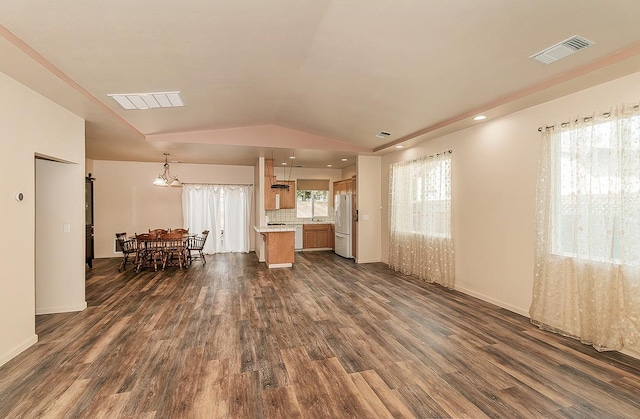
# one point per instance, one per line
(298, 238)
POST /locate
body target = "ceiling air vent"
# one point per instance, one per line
(383, 134)
(562, 49)
(131, 101)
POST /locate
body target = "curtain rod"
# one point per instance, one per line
(443, 152)
(585, 119)
(435, 155)
(425, 157)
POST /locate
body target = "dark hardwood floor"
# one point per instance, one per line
(324, 339)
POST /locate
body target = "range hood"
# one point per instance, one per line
(278, 185)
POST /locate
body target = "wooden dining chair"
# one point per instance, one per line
(149, 251)
(180, 230)
(173, 246)
(195, 245)
(158, 231)
(128, 247)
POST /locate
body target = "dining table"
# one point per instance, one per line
(168, 249)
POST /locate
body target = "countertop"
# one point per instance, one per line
(283, 227)
(275, 229)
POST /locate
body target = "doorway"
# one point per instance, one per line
(59, 236)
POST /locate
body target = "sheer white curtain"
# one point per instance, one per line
(587, 260)
(421, 241)
(219, 208)
(237, 216)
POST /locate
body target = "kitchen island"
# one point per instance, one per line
(278, 245)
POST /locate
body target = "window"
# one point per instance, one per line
(420, 238)
(587, 253)
(224, 210)
(312, 203)
(312, 198)
(596, 185)
(422, 197)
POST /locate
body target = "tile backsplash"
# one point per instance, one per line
(289, 216)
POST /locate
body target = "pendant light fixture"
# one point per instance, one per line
(165, 178)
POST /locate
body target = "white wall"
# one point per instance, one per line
(60, 282)
(259, 182)
(494, 172)
(88, 167)
(125, 199)
(349, 171)
(30, 124)
(368, 205)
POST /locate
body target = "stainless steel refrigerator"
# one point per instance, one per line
(342, 212)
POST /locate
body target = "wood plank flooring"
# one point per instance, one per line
(324, 339)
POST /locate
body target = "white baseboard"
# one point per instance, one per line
(524, 313)
(280, 265)
(55, 310)
(499, 303)
(367, 260)
(4, 358)
(631, 353)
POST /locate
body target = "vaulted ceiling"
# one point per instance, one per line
(318, 78)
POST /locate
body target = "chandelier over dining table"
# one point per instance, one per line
(166, 178)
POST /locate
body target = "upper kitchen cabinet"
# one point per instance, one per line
(288, 196)
(344, 187)
(269, 179)
(277, 198)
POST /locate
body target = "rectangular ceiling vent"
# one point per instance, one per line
(561, 50)
(131, 101)
(383, 134)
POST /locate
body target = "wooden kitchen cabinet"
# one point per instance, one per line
(344, 187)
(332, 237)
(317, 236)
(279, 248)
(287, 197)
(269, 179)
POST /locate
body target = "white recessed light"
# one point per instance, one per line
(329, 165)
(479, 118)
(399, 146)
(292, 157)
(131, 101)
(343, 159)
(284, 163)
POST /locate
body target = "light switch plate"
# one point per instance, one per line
(66, 228)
